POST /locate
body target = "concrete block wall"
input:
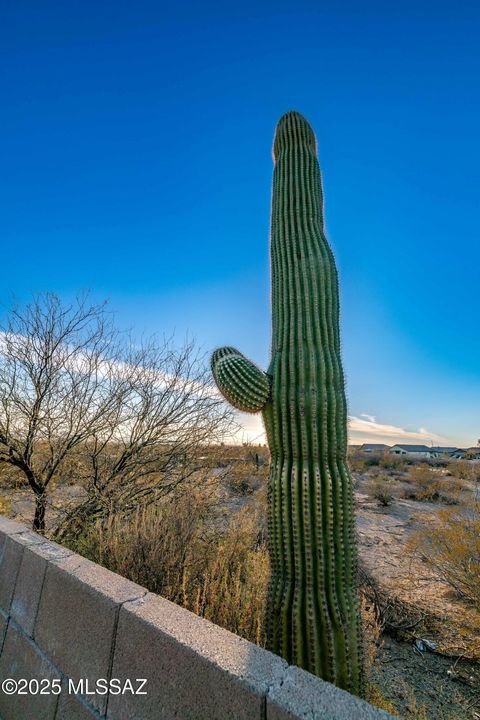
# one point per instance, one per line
(64, 619)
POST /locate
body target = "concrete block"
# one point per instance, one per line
(9, 567)
(8, 527)
(302, 696)
(10, 561)
(21, 659)
(194, 669)
(77, 616)
(29, 583)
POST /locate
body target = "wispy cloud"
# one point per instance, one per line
(365, 428)
(362, 428)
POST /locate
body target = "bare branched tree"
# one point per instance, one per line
(131, 418)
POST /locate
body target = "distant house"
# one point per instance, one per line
(377, 449)
(412, 450)
(445, 451)
(467, 453)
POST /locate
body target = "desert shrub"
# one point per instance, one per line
(425, 483)
(421, 474)
(240, 485)
(451, 490)
(5, 505)
(439, 462)
(10, 477)
(241, 478)
(465, 470)
(357, 463)
(245, 476)
(451, 547)
(459, 469)
(381, 489)
(183, 549)
(363, 462)
(372, 460)
(392, 462)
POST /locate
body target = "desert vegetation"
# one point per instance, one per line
(418, 530)
(450, 546)
(129, 420)
(204, 547)
(185, 549)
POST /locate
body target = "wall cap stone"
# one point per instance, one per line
(10, 527)
(248, 663)
(302, 696)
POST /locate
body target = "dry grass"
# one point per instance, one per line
(451, 547)
(426, 482)
(432, 485)
(245, 476)
(183, 550)
(362, 462)
(372, 628)
(376, 697)
(465, 470)
(5, 505)
(393, 462)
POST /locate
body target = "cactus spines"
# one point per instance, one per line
(312, 613)
(241, 382)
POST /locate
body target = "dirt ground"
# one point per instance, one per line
(427, 686)
(384, 534)
(441, 684)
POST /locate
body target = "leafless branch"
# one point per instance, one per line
(131, 416)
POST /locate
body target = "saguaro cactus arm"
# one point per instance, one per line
(239, 380)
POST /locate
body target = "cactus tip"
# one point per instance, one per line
(293, 128)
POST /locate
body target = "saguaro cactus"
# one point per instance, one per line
(312, 615)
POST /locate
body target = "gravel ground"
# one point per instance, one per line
(429, 686)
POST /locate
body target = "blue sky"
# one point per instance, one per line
(136, 149)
